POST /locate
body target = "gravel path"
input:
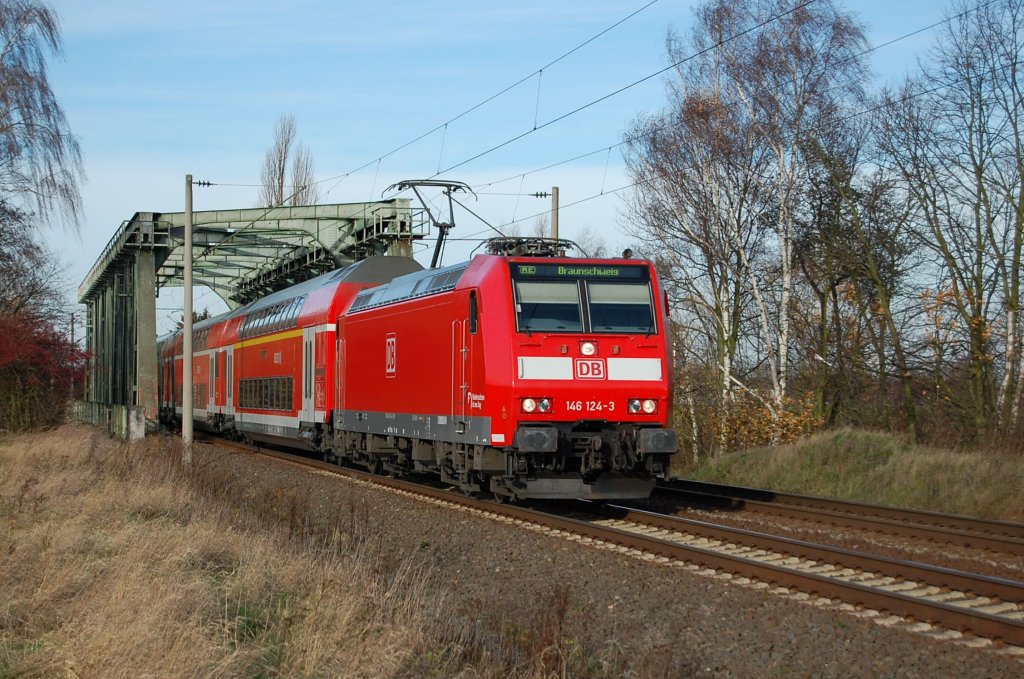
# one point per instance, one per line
(620, 614)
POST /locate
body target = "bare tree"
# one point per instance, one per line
(276, 190)
(954, 137)
(856, 238)
(695, 201)
(305, 190)
(720, 175)
(541, 226)
(591, 243)
(32, 275)
(40, 160)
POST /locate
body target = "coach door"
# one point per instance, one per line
(308, 364)
(218, 382)
(229, 382)
(211, 382)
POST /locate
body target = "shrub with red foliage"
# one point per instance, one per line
(37, 366)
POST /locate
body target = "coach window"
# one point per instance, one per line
(474, 313)
(548, 305)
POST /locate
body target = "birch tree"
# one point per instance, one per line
(792, 75)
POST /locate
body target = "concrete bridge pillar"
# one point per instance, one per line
(145, 335)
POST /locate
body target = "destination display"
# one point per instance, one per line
(576, 271)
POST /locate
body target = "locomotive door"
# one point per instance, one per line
(460, 385)
(339, 373)
(308, 363)
(463, 333)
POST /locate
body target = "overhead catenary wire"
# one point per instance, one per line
(494, 96)
(608, 149)
(870, 50)
(628, 87)
(856, 114)
(603, 149)
(379, 159)
(625, 88)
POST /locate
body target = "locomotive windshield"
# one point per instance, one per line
(549, 306)
(561, 298)
(620, 307)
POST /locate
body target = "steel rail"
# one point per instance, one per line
(946, 615)
(938, 576)
(1000, 536)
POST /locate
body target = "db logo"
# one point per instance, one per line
(590, 369)
(391, 355)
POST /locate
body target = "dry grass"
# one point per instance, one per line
(115, 564)
(875, 467)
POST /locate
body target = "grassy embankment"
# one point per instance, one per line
(113, 562)
(879, 468)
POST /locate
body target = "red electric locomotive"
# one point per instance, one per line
(523, 376)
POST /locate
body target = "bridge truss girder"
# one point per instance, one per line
(241, 255)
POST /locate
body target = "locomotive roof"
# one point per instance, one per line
(416, 284)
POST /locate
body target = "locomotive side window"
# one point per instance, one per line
(474, 313)
(548, 305)
(620, 307)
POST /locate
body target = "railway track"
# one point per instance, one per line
(996, 536)
(988, 607)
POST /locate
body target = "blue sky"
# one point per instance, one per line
(155, 90)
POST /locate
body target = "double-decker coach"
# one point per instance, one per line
(264, 371)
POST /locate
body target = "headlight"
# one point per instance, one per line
(529, 405)
(648, 406)
(588, 348)
(544, 405)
